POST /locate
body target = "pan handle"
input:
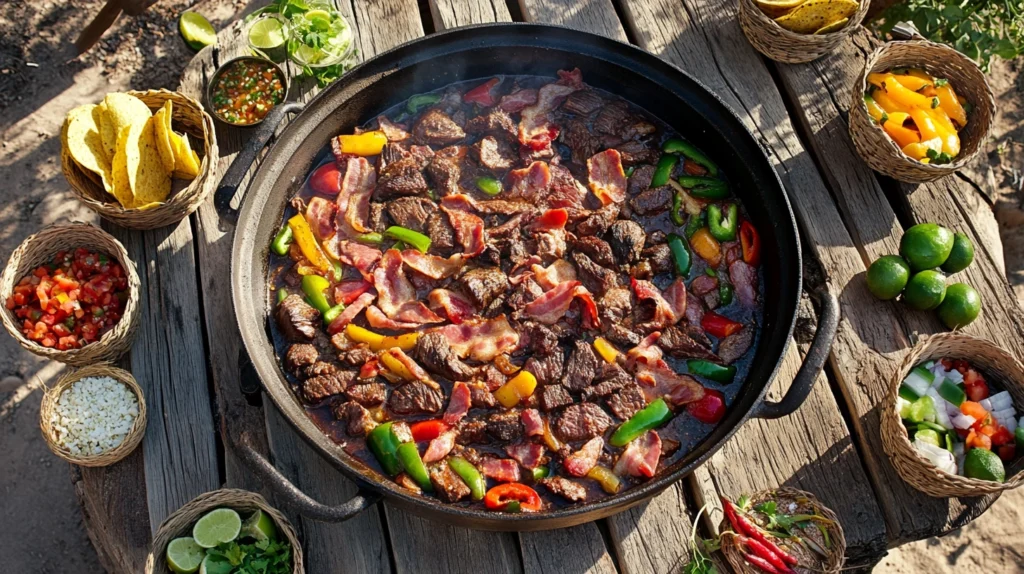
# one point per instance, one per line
(828, 323)
(293, 496)
(245, 158)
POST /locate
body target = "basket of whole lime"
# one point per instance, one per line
(226, 531)
(94, 416)
(71, 295)
(781, 531)
(795, 31)
(949, 421)
(929, 253)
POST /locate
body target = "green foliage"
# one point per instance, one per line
(700, 551)
(980, 29)
(315, 33)
(263, 557)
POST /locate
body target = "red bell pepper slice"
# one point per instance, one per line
(718, 325)
(710, 408)
(751, 243)
(500, 496)
(482, 94)
(427, 430)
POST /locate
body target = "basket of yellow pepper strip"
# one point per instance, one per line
(920, 111)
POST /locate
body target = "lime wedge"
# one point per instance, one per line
(266, 33)
(317, 14)
(184, 556)
(215, 565)
(196, 30)
(217, 527)
(259, 526)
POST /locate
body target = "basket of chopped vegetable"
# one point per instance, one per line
(783, 530)
(949, 424)
(224, 531)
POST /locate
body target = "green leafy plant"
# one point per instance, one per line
(309, 34)
(262, 557)
(980, 29)
(701, 551)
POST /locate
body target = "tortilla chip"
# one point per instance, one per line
(121, 188)
(814, 15)
(107, 132)
(834, 26)
(122, 110)
(84, 142)
(161, 126)
(776, 8)
(150, 182)
(186, 164)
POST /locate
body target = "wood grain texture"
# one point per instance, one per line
(654, 537)
(596, 16)
(382, 24)
(428, 547)
(577, 549)
(448, 14)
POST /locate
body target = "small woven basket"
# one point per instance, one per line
(180, 523)
(106, 458)
(783, 45)
(884, 155)
(916, 469)
(37, 250)
(189, 117)
(733, 551)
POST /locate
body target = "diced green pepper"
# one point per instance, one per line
(723, 226)
(333, 313)
(676, 214)
(540, 472)
(922, 410)
(681, 258)
(489, 185)
(282, 294)
(421, 101)
(470, 475)
(1018, 436)
(690, 151)
(338, 270)
(630, 170)
(652, 416)
(725, 292)
(416, 239)
(712, 371)
(282, 241)
(514, 507)
(372, 238)
(705, 187)
(952, 393)
(666, 163)
(908, 393)
(930, 425)
(949, 440)
(929, 436)
(313, 286)
(695, 224)
(384, 445)
(409, 457)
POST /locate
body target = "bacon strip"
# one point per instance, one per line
(558, 272)
(530, 183)
(393, 287)
(418, 313)
(350, 312)
(455, 306)
(378, 320)
(431, 265)
(640, 457)
(458, 404)
(675, 296)
(440, 447)
(582, 461)
(552, 305)
(517, 100)
(590, 317)
(664, 314)
(481, 339)
(646, 352)
(500, 469)
(607, 178)
(744, 279)
(348, 291)
(354, 199)
(320, 214)
(469, 228)
(527, 454)
(532, 422)
(536, 130)
(660, 381)
(550, 219)
(362, 257)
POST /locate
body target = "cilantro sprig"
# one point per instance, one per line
(262, 557)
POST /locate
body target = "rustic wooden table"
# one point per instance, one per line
(189, 354)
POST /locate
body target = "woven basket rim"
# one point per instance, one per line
(922, 474)
(111, 344)
(106, 458)
(761, 18)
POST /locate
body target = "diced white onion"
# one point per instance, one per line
(939, 378)
(954, 376)
(940, 457)
(962, 421)
(941, 416)
(986, 404)
(917, 383)
(951, 409)
(1010, 424)
(1001, 401)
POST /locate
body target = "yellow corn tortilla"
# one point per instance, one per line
(186, 163)
(121, 110)
(107, 133)
(84, 142)
(149, 181)
(163, 140)
(813, 15)
(833, 27)
(776, 8)
(121, 188)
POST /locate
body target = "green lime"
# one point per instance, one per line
(196, 30)
(887, 276)
(266, 34)
(215, 565)
(926, 245)
(961, 256)
(184, 556)
(216, 527)
(984, 464)
(961, 306)
(925, 290)
(259, 526)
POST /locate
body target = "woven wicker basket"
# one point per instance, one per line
(180, 523)
(837, 552)
(884, 155)
(189, 117)
(113, 455)
(37, 250)
(914, 468)
(784, 45)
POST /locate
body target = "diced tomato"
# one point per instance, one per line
(710, 408)
(1007, 452)
(963, 366)
(946, 364)
(693, 168)
(978, 440)
(427, 430)
(976, 392)
(482, 94)
(1001, 436)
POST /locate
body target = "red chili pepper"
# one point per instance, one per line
(482, 94)
(751, 242)
(709, 409)
(762, 551)
(498, 497)
(744, 526)
(761, 563)
(428, 430)
(718, 325)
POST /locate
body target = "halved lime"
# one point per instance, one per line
(196, 30)
(215, 565)
(218, 526)
(259, 526)
(267, 33)
(184, 556)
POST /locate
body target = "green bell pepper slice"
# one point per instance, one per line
(419, 101)
(283, 240)
(704, 187)
(372, 238)
(409, 457)
(711, 371)
(313, 286)
(723, 225)
(409, 237)
(681, 258)
(384, 445)
(489, 185)
(725, 292)
(333, 313)
(541, 472)
(470, 475)
(282, 294)
(677, 208)
(666, 163)
(691, 152)
(652, 416)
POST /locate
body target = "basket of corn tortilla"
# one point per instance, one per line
(795, 31)
(140, 159)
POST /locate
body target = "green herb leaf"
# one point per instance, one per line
(935, 103)
(885, 118)
(743, 502)
(939, 82)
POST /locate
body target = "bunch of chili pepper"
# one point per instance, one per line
(760, 550)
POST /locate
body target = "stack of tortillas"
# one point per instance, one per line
(810, 16)
(132, 152)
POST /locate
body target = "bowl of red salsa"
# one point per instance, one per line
(245, 89)
(70, 293)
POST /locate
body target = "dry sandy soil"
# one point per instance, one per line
(40, 523)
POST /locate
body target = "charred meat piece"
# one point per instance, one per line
(415, 398)
(553, 397)
(622, 335)
(524, 293)
(496, 122)
(627, 240)
(546, 369)
(375, 220)
(403, 177)
(356, 357)
(610, 379)
(582, 421)
(300, 356)
(394, 132)
(392, 152)
(677, 343)
(582, 102)
(360, 422)
(298, 321)
(538, 338)
(505, 426)
(444, 172)
(368, 394)
(435, 127)
(599, 221)
(411, 212)
(581, 368)
(483, 284)
(581, 142)
(640, 181)
(612, 118)
(435, 354)
(597, 249)
(447, 485)
(472, 431)
(627, 401)
(634, 152)
(441, 232)
(567, 489)
(495, 154)
(652, 200)
(566, 191)
(480, 396)
(615, 305)
(329, 382)
(659, 257)
(731, 348)
(597, 279)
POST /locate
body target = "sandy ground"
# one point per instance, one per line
(40, 523)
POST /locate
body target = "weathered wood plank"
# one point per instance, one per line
(811, 449)
(654, 537)
(382, 24)
(454, 13)
(596, 16)
(425, 546)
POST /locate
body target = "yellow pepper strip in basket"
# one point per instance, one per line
(950, 137)
(607, 351)
(930, 129)
(396, 366)
(516, 389)
(707, 246)
(609, 482)
(364, 144)
(378, 342)
(913, 83)
(942, 119)
(903, 96)
(887, 103)
(874, 110)
(899, 134)
(307, 243)
(919, 150)
(404, 342)
(919, 73)
(877, 79)
(950, 104)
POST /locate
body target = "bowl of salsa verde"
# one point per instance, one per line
(245, 89)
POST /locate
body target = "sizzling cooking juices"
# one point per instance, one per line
(516, 294)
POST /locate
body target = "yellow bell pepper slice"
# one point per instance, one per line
(549, 438)
(396, 366)
(404, 342)
(913, 83)
(919, 150)
(378, 342)
(903, 96)
(950, 103)
(607, 351)
(887, 103)
(516, 389)
(609, 482)
(364, 144)
(899, 134)
(930, 130)
(707, 246)
(919, 73)
(874, 109)
(307, 243)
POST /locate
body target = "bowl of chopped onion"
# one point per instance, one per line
(93, 416)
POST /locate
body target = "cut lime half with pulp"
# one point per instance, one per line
(184, 556)
(267, 33)
(196, 30)
(217, 527)
(259, 526)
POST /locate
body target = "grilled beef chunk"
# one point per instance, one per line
(640, 181)
(581, 421)
(435, 354)
(626, 402)
(597, 249)
(368, 394)
(567, 489)
(731, 348)
(597, 279)
(610, 378)
(611, 118)
(415, 398)
(581, 142)
(355, 357)
(599, 221)
(634, 152)
(375, 221)
(326, 383)
(298, 320)
(403, 177)
(300, 356)
(524, 293)
(505, 426)
(435, 127)
(581, 367)
(480, 396)
(553, 397)
(615, 305)
(411, 212)
(445, 173)
(495, 122)
(582, 102)
(495, 154)
(652, 200)
(441, 232)
(483, 284)
(447, 485)
(472, 431)
(680, 345)
(627, 240)
(659, 257)
(547, 369)
(621, 335)
(360, 422)
(538, 339)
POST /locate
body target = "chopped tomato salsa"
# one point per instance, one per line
(246, 90)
